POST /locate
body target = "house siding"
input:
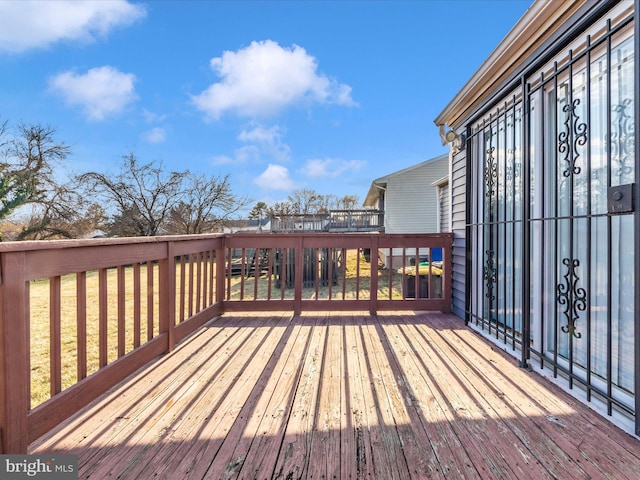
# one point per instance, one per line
(445, 208)
(458, 227)
(411, 201)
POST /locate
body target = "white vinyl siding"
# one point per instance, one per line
(444, 207)
(458, 227)
(411, 200)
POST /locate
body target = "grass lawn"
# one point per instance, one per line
(40, 335)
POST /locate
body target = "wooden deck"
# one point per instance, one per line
(340, 396)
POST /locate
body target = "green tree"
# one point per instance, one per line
(259, 211)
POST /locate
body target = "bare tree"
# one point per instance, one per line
(92, 221)
(204, 206)
(15, 184)
(140, 196)
(348, 202)
(27, 178)
(324, 203)
(281, 208)
(305, 201)
(53, 217)
(310, 202)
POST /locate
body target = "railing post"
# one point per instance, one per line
(447, 271)
(14, 353)
(298, 273)
(221, 267)
(373, 262)
(167, 296)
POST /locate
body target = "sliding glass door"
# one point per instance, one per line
(551, 231)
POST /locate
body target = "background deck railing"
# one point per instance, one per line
(77, 317)
(364, 220)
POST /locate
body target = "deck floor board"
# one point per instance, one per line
(341, 395)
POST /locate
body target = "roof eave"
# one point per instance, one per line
(532, 30)
(372, 195)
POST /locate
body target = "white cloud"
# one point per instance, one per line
(269, 141)
(330, 167)
(275, 177)
(151, 117)
(248, 153)
(155, 135)
(261, 135)
(28, 24)
(264, 78)
(101, 92)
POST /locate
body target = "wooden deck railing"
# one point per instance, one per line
(77, 317)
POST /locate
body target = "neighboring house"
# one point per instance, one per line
(97, 234)
(413, 200)
(253, 225)
(543, 174)
(443, 203)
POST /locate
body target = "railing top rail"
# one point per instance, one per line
(302, 215)
(358, 210)
(389, 236)
(325, 214)
(31, 245)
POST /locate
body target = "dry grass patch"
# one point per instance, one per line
(40, 326)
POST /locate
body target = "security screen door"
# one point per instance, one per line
(555, 162)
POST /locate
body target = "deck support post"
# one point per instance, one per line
(298, 275)
(373, 261)
(447, 271)
(14, 354)
(167, 300)
(221, 266)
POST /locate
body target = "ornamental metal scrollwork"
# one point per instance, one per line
(574, 135)
(623, 137)
(513, 172)
(573, 298)
(489, 274)
(491, 172)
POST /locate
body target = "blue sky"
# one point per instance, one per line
(323, 95)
